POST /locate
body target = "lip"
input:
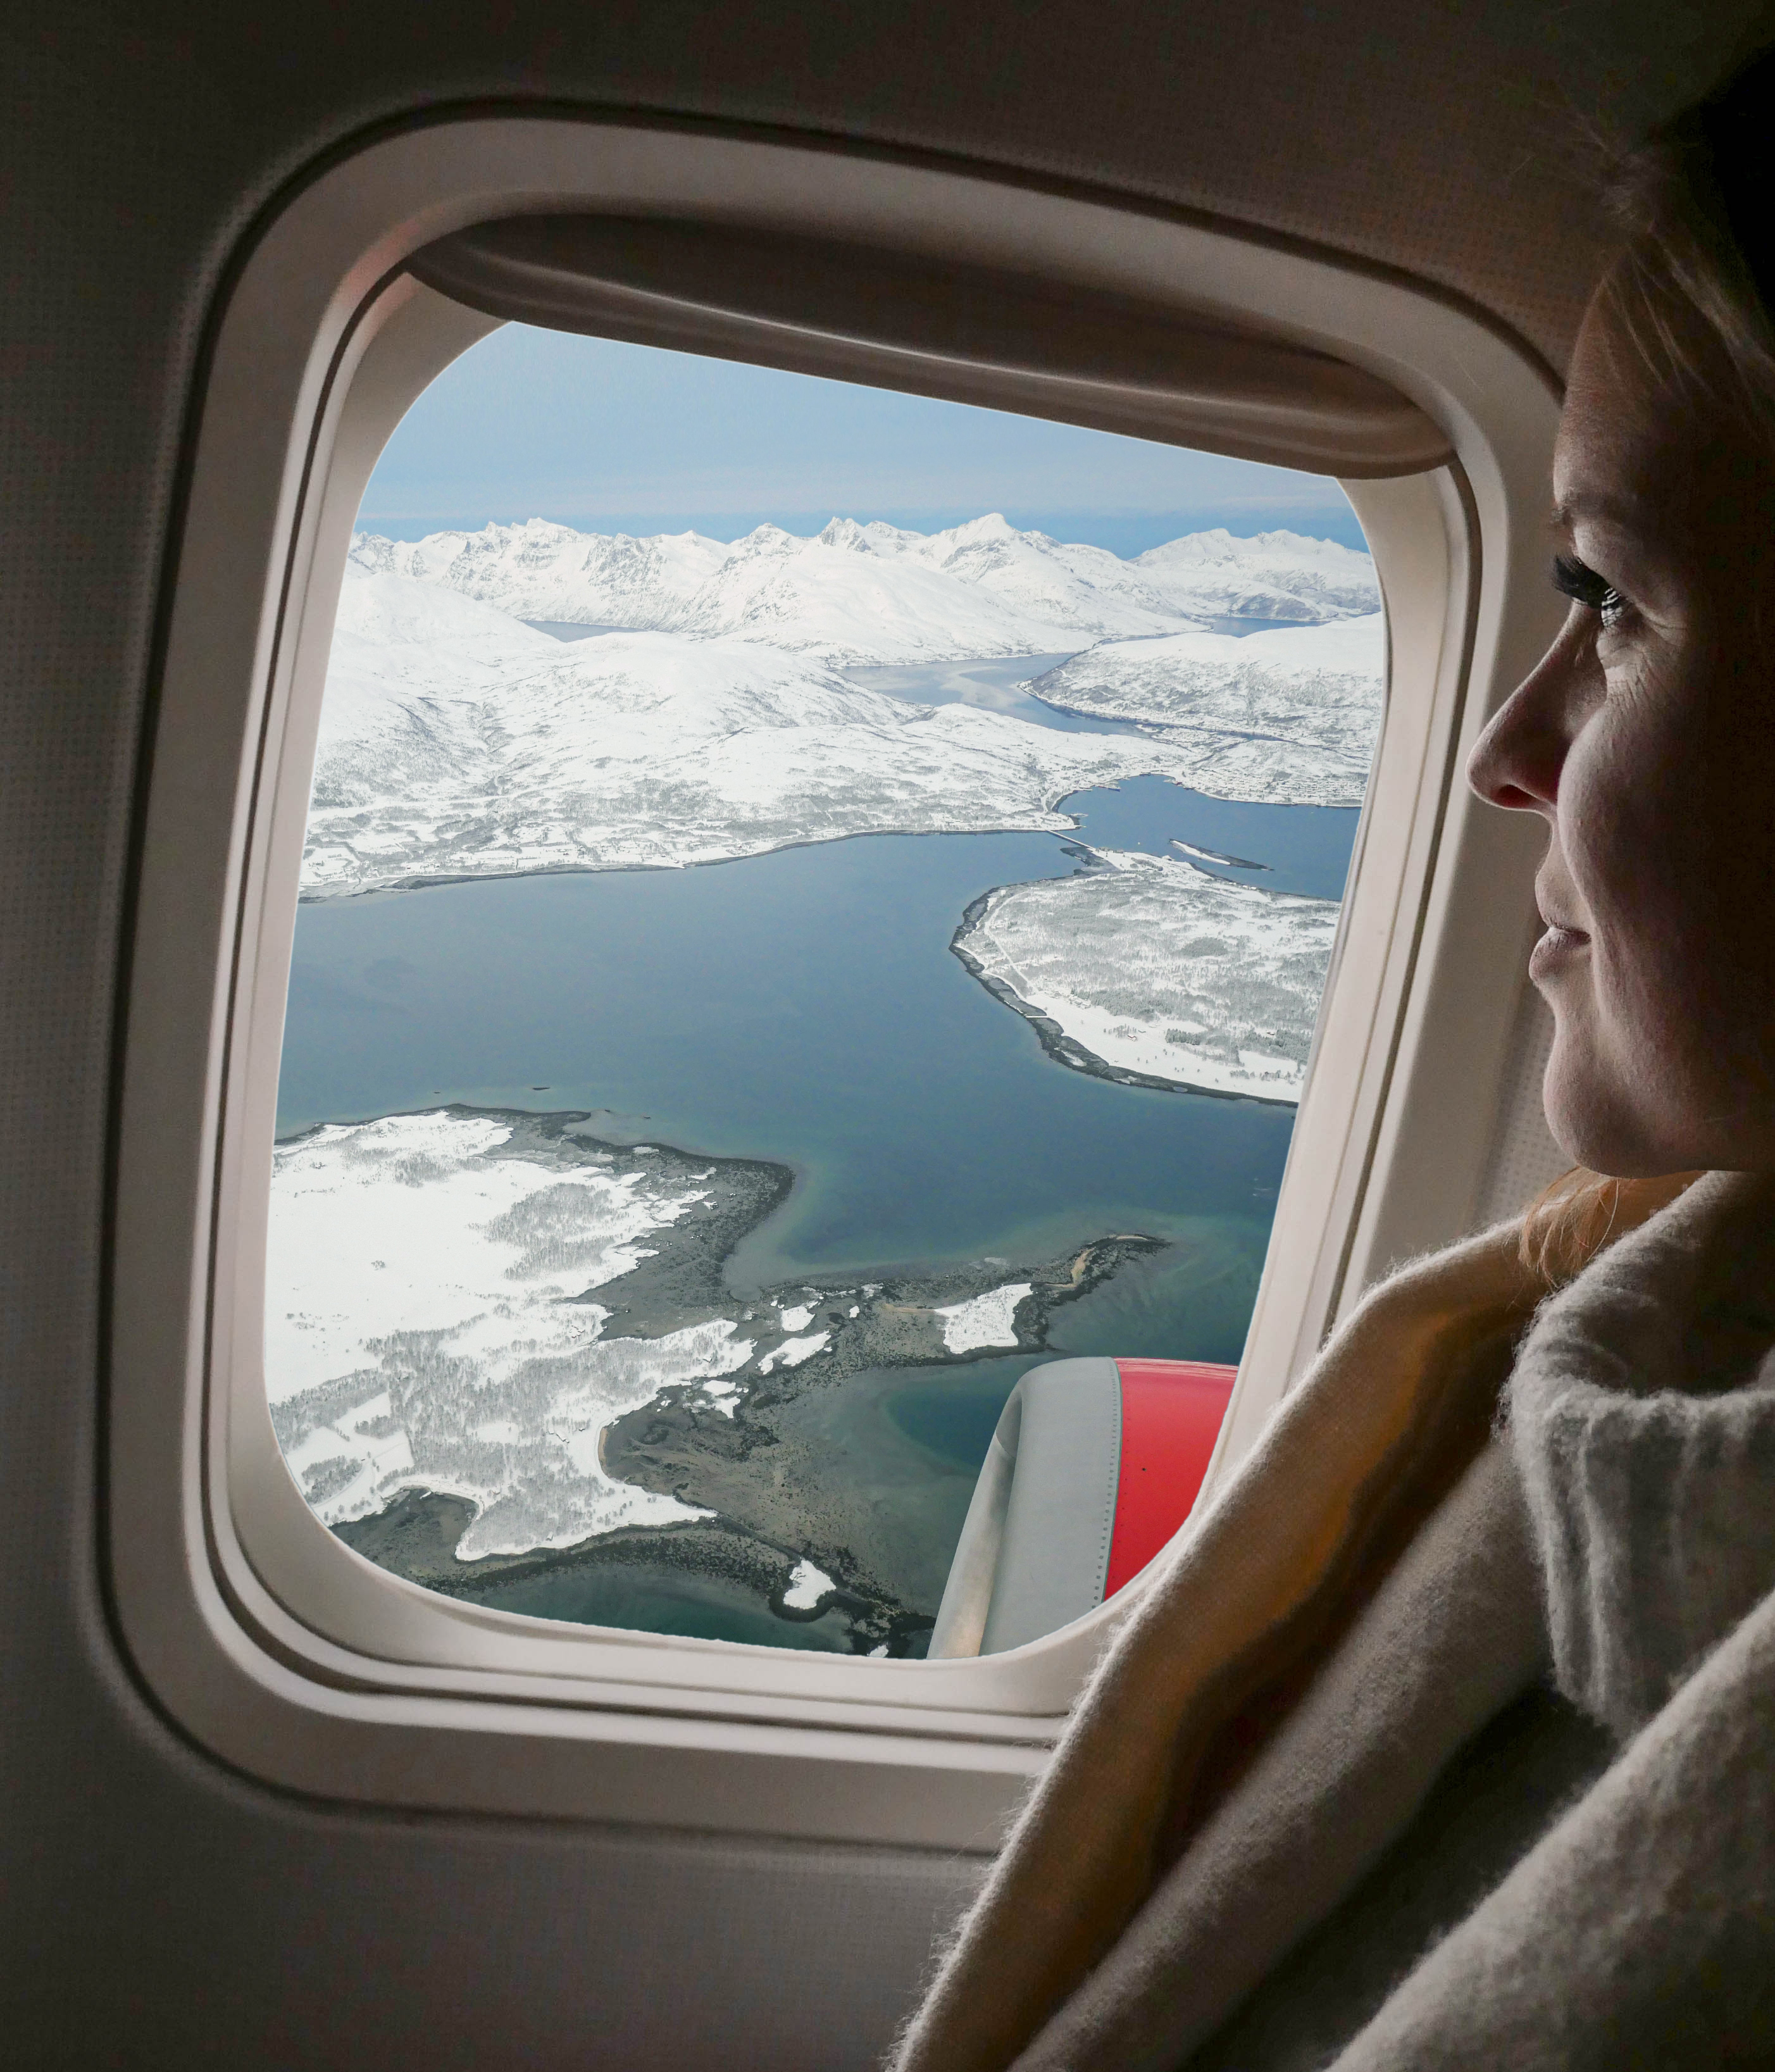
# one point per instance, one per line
(1559, 946)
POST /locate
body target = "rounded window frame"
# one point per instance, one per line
(272, 1644)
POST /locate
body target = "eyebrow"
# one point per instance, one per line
(1595, 503)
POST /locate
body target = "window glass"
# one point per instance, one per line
(827, 915)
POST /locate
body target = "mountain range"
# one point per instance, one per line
(873, 593)
(458, 742)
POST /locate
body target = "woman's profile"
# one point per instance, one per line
(1448, 1738)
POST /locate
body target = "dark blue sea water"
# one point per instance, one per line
(801, 1006)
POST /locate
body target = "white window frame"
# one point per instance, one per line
(272, 1644)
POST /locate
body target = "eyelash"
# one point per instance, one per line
(1576, 579)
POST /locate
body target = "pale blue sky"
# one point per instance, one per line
(614, 437)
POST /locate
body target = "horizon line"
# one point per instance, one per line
(366, 525)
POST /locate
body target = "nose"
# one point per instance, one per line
(1517, 761)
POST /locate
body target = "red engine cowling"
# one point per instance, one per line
(1093, 1465)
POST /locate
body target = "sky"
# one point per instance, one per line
(611, 438)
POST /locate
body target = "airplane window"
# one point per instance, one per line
(827, 919)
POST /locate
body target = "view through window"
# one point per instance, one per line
(829, 917)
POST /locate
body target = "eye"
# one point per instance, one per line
(1577, 579)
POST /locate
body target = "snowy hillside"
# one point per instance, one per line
(457, 743)
(875, 593)
(1156, 967)
(1276, 575)
(1276, 717)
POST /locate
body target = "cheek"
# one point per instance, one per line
(1665, 818)
(1626, 828)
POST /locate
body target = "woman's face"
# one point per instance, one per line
(1645, 739)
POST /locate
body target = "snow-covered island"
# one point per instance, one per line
(1155, 971)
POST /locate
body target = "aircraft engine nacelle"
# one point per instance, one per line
(1093, 1466)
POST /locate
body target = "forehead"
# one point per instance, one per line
(1654, 435)
(1627, 440)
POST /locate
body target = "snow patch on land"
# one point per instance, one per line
(982, 1320)
(422, 1330)
(1156, 967)
(793, 1351)
(808, 1587)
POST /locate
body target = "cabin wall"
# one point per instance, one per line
(155, 1909)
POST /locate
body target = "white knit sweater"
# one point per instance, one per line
(1641, 1410)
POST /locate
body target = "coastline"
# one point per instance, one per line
(310, 897)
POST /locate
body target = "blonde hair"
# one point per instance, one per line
(1582, 1213)
(1686, 198)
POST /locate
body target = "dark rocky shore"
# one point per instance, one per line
(785, 1467)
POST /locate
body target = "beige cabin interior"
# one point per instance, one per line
(248, 1826)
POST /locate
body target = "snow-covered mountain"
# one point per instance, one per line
(876, 593)
(457, 742)
(1275, 576)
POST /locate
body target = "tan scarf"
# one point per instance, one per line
(1391, 1414)
(1307, 1658)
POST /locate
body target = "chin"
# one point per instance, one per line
(1606, 1118)
(1593, 1117)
